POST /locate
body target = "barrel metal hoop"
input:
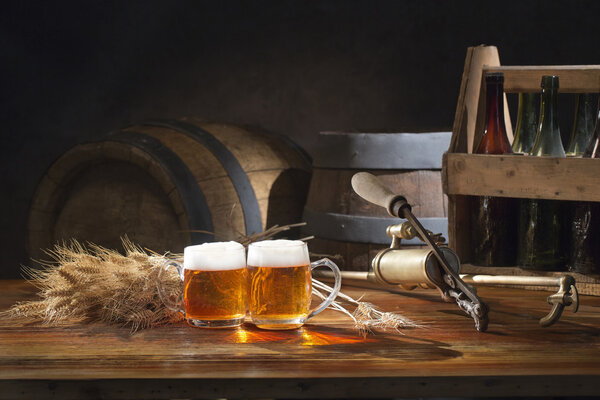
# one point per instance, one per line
(192, 197)
(239, 178)
(387, 151)
(362, 229)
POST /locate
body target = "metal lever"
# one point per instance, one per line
(566, 297)
(371, 189)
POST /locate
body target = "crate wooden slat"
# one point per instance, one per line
(521, 176)
(465, 174)
(573, 78)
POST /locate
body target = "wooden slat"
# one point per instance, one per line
(573, 78)
(324, 359)
(522, 176)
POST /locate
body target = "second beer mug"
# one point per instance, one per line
(214, 290)
(279, 284)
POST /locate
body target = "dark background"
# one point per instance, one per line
(73, 71)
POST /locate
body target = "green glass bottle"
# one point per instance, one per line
(584, 252)
(527, 123)
(583, 126)
(584, 221)
(548, 141)
(542, 241)
(592, 150)
(494, 218)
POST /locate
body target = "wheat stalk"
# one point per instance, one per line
(99, 284)
(366, 316)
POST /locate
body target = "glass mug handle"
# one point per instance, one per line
(161, 291)
(336, 287)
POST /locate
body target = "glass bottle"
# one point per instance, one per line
(542, 241)
(584, 252)
(527, 121)
(583, 126)
(592, 150)
(548, 142)
(494, 218)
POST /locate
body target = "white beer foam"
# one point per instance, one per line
(278, 253)
(217, 256)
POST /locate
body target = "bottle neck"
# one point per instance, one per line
(549, 113)
(583, 126)
(494, 139)
(527, 121)
(548, 141)
(494, 109)
(529, 107)
(593, 148)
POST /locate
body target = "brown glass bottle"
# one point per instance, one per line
(494, 218)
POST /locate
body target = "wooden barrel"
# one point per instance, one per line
(346, 225)
(159, 180)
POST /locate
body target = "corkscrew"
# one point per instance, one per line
(447, 280)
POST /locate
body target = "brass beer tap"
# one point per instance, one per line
(439, 267)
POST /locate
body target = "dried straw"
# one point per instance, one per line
(366, 316)
(96, 284)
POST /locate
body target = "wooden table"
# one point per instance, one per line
(325, 359)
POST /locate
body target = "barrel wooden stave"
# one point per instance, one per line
(211, 177)
(125, 195)
(270, 153)
(75, 198)
(331, 191)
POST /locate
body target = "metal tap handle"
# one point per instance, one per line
(373, 190)
(370, 188)
(566, 296)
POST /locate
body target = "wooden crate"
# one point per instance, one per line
(465, 174)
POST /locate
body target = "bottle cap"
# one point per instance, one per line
(494, 77)
(550, 81)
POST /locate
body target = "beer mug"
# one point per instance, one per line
(280, 284)
(214, 285)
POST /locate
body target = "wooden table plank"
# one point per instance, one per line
(323, 359)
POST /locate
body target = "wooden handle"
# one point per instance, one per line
(370, 188)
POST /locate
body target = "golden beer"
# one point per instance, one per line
(280, 284)
(215, 295)
(214, 285)
(279, 297)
